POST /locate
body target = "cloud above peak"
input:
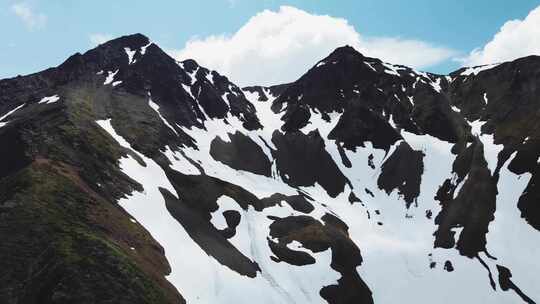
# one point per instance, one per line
(31, 19)
(279, 46)
(515, 39)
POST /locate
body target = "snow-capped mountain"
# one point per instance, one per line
(129, 177)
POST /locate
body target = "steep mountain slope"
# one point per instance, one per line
(128, 177)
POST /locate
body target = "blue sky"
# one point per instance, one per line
(45, 32)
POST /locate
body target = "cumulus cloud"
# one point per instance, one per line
(31, 19)
(279, 46)
(516, 38)
(99, 38)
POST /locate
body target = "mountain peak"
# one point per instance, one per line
(346, 52)
(133, 41)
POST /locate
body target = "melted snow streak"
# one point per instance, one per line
(399, 263)
(130, 53)
(49, 99)
(110, 77)
(155, 107)
(8, 114)
(476, 70)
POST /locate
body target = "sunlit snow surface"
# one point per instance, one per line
(208, 281)
(396, 261)
(396, 255)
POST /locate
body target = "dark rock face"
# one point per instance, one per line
(318, 237)
(293, 257)
(511, 90)
(275, 90)
(448, 266)
(302, 160)
(525, 161)
(403, 171)
(241, 153)
(353, 198)
(209, 190)
(297, 202)
(13, 156)
(359, 125)
(367, 90)
(506, 283)
(325, 87)
(472, 208)
(211, 240)
(528, 202)
(233, 219)
(193, 212)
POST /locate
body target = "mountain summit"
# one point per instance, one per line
(129, 177)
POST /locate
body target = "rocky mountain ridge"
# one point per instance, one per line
(130, 177)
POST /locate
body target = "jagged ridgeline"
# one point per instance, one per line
(129, 177)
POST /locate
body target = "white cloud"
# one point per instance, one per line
(31, 19)
(515, 39)
(277, 47)
(99, 38)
